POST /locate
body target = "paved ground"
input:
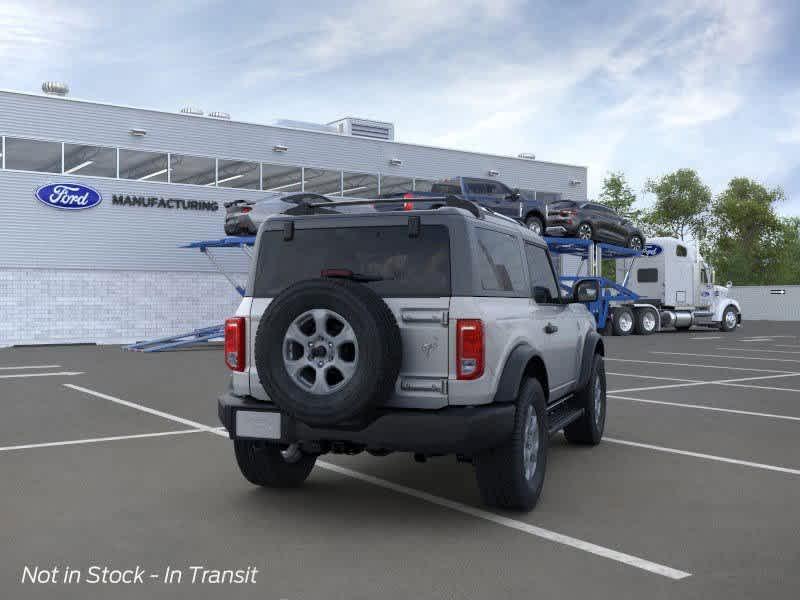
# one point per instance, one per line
(693, 494)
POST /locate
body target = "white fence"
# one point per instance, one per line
(768, 302)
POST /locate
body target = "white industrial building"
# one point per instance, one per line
(114, 273)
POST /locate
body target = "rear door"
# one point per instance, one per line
(412, 276)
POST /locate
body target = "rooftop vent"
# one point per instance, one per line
(303, 125)
(376, 130)
(216, 114)
(192, 110)
(55, 88)
(527, 155)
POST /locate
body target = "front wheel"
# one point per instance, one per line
(512, 475)
(269, 465)
(535, 224)
(730, 319)
(592, 399)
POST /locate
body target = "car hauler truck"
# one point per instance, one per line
(667, 285)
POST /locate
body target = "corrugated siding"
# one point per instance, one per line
(766, 303)
(117, 237)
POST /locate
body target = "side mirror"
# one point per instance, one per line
(514, 195)
(729, 285)
(586, 290)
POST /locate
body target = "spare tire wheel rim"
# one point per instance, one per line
(320, 351)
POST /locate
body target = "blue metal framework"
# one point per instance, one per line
(610, 291)
(203, 335)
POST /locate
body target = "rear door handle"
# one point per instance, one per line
(550, 328)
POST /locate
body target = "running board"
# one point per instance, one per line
(562, 415)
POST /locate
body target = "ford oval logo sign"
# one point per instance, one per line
(68, 196)
(652, 250)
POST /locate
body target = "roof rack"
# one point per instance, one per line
(305, 207)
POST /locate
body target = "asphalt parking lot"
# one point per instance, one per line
(114, 459)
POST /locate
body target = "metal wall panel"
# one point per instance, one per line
(768, 303)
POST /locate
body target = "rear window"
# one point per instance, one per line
(408, 266)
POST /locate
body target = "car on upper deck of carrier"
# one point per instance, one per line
(428, 331)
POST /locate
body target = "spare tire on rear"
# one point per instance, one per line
(328, 352)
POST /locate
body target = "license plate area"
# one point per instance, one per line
(258, 425)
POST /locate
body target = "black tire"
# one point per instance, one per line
(589, 428)
(262, 463)
(636, 242)
(622, 320)
(586, 227)
(724, 326)
(642, 325)
(379, 352)
(501, 471)
(535, 224)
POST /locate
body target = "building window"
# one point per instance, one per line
(396, 185)
(238, 174)
(144, 166)
(280, 178)
(360, 185)
(195, 170)
(323, 181)
(33, 155)
(90, 160)
(423, 185)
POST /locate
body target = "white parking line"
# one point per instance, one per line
(21, 375)
(793, 360)
(677, 364)
(711, 408)
(30, 367)
(723, 459)
(654, 377)
(786, 345)
(760, 350)
(733, 382)
(98, 440)
(546, 534)
(711, 337)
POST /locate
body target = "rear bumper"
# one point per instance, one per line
(451, 430)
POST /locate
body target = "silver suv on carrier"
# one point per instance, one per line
(435, 332)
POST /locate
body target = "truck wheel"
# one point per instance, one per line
(622, 320)
(730, 319)
(592, 398)
(585, 231)
(635, 242)
(646, 321)
(265, 464)
(512, 475)
(328, 351)
(535, 224)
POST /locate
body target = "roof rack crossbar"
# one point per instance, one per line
(453, 201)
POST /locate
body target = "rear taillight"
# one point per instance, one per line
(469, 348)
(246, 209)
(234, 343)
(408, 206)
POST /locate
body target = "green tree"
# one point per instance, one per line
(681, 205)
(618, 195)
(749, 242)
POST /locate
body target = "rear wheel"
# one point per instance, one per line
(512, 475)
(646, 321)
(635, 242)
(269, 465)
(535, 224)
(622, 320)
(592, 398)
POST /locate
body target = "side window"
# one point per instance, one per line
(500, 263)
(544, 286)
(703, 276)
(647, 275)
(680, 251)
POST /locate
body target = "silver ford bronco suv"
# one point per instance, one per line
(440, 331)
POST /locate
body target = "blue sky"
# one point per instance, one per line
(640, 87)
